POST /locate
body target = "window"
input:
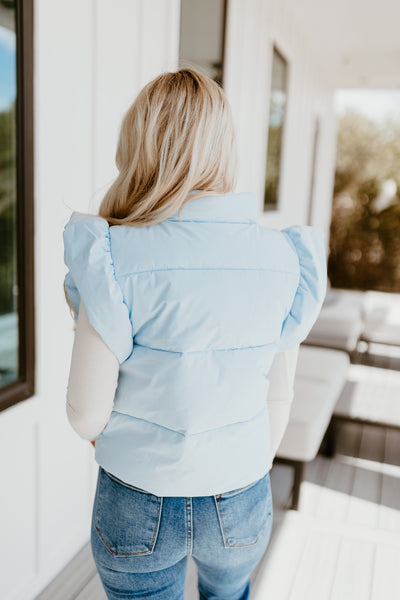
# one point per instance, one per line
(313, 170)
(16, 202)
(276, 124)
(202, 36)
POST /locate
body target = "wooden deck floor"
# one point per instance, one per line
(342, 544)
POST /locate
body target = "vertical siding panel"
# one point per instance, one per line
(115, 85)
(133, 45)
(234, 79)
(325, 166)
(260, 111)
(233, 46)
(255, 34)
(247, 70)
(159, 50)
(245, 80)
(63, 60)
(173, 32)
(18, 503)
(312, 114)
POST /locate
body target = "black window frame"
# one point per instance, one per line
(267, 207)
(24, 387)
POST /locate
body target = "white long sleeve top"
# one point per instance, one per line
(93, 379)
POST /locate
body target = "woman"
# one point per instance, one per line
(182, 302)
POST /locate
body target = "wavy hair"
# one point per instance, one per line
(177, 138)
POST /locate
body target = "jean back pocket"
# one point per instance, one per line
(245, 513)
(126, 518)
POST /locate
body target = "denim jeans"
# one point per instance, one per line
(140, 542)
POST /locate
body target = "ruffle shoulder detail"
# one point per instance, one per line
(309, 245)
(91, 278)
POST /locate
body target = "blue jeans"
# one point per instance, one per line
(140, 542)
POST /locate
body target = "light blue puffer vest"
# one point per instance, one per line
(195, 311)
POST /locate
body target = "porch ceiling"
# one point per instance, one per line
(357, 41)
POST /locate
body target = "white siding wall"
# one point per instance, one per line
(253, 27)
(91, 58)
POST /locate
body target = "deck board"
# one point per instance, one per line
(93, 590)
(347, 524)
(386, 573)
(75, 576)
(316, 569)
(353, 577)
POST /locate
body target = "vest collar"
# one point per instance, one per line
(232, 207)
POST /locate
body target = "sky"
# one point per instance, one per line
(7, 68)
(374, 104)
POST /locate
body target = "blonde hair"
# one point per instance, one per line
(176, 138)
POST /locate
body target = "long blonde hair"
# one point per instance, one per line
(176, 137)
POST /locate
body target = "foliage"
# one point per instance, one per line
(273, 166)
(365, 232)
(7, 210)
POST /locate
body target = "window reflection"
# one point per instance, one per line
(202, 36)
(275, 130)
(8, 195)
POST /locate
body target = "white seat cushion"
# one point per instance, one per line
(320, 377)
(340, 321)
(371, 394)
(382, 318)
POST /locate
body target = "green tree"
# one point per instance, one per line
(365, 234)
(7, 209)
